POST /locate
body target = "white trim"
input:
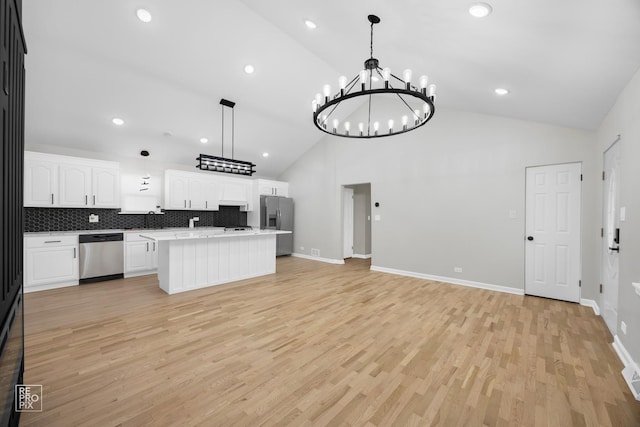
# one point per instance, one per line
(367, 256)
(450, 280)
(27, 289)
(317, 258)
(622, 352)
(591, 303)
(630, 366)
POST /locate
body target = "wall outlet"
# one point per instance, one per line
(94, 218)
(623, 327)
(513, 214)
(315, 252)
(302, 248)
(457, 269)
(377, 217)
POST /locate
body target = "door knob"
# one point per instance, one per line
(530, 238)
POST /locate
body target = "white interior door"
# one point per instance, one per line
(610, 236)
(552, 245)
(347, 231)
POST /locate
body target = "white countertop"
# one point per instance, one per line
(184, 234)
(118, 230)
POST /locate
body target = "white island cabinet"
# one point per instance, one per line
(199, 259)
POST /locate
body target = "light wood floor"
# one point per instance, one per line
(319, 344)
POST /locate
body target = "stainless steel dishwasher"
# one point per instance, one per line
(101, 257)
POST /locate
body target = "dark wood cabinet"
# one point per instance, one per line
(12, 80)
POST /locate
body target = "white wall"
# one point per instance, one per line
(624, 119)
(445, 192)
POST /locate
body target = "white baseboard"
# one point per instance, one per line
(367, 256)
(317, 258)
(591, 303)
(451, 280)
(630, 367)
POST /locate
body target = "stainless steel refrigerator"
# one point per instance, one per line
(276, 213)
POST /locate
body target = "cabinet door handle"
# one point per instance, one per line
(86, 202)
(94, 199)
(74, 253)
(185, 203)
(154, 246)
(189, 204)
(51, 198)
(147, 246)
(53, 241)
(206, 204)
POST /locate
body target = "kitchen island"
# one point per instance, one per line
(193, 259)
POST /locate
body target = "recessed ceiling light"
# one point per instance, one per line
(310, 24)
(204, 140)
(501, 91)
(117, 121)
(265, 154)
(249, 69)
(480, 10)
(144, 15)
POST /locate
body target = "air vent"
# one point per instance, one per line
(632, 377)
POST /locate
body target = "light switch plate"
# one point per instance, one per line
(377, 217)
(636, 286)
(623, 214)
(94, 218)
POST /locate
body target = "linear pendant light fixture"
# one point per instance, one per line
(415, 106)
(210, 163)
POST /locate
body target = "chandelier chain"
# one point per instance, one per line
(371, 40)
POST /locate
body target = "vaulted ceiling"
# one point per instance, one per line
(92, 60)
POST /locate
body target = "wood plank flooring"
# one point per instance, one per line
(318, 344)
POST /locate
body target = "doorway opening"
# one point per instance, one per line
(356, 221)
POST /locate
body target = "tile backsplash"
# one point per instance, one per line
(61, 219)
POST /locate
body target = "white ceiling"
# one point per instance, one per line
(565, 62)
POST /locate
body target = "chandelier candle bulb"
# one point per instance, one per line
(391, 126)
(361, 128)
(423, 83)
(432, 91)
(314, 105)
(376, 126)
(327, 92)
(405, 120)
(416, 114)
(324, 121)
(342, 82)
(336, 122)
(363, 78)
(426, 110)
(386, 73)
(347, 126)
(406, 74)
(318, 99)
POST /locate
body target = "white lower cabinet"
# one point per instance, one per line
(140, 255)
(50, 262)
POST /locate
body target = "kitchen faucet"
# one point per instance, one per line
(192, 220)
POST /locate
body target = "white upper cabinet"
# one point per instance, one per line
(40, 182)
(272, 188)
(236, 192)
(106, 187)
(61, 181)
(190, 191)
(75, 185)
